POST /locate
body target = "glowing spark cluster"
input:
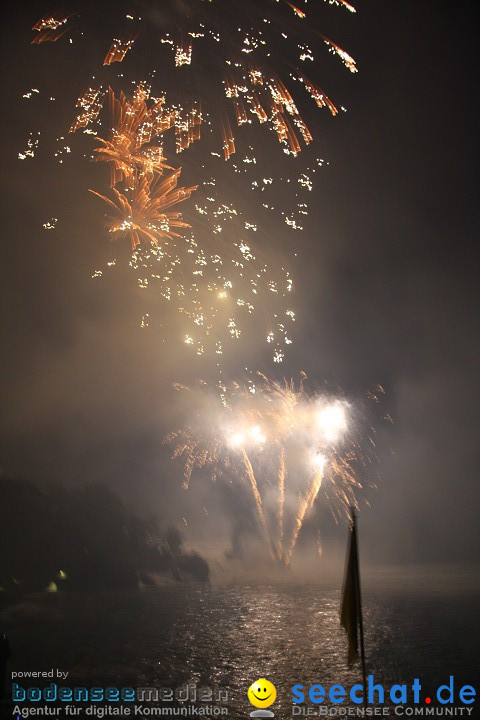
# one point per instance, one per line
(347, 59)
(32, 145)
(134, 125)
(118, 50)
(144, 217)
(248, 50)
(90, 104)
(141, 210)
(227, 73)
(212, 275)
(288, 445)
(183, 54)
(50, 28)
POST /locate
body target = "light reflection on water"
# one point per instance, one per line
(229, 636)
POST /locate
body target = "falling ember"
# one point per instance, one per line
(347, 59)
(50, 224)
(118, 50)
(50, 28)
(183, 54)
(319, 96)
(50, 22)
(342, 3)
(297, 10)
(32, 145)
(228, 141)
(187, 128)
(90, 104)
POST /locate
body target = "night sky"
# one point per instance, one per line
(384, 289)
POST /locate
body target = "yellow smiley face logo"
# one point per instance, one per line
(262, 693)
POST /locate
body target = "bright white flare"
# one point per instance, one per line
(236, 440)
(257, 435)
(251, 436)
(318, 462)
(332, 421)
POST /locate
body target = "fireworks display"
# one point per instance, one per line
(257, 54)
(289, 447)
(201, 77)
(212, 273)
(216, 76)
(200, 190)
(145, 217)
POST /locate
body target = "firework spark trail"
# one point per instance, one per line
(50, 28)
(306, 503)
(282, 473)
(143, 218)
(256, 494)
(134, 125)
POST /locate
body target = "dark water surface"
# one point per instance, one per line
(229, 636)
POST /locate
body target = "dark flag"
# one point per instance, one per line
(349, 613)
(351, 609)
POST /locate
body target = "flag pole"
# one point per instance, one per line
(359, 606)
